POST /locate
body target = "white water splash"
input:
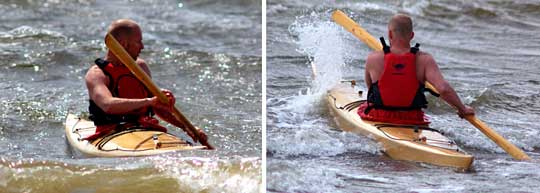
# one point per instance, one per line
(195, 174)
(300, 124)
(321, 40)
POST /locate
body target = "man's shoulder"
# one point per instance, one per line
(375, 55)
(94, 68)
(143, 65)
(425, 60)
(94, 72)
(140, 61)
(375, 58)
(423, 54)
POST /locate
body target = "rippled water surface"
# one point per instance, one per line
(208, 53)
(488, 50)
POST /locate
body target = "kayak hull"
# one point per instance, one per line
(400, 142)
(138, 142)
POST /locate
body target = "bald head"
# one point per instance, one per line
(122, 28)
(401, 26)
(129, 35)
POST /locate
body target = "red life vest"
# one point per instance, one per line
(122, 84)
(397, 96)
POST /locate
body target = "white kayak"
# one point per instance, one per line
(417, 143)
(131, 142)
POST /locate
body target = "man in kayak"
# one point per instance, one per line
(118, 100)
(395, 78)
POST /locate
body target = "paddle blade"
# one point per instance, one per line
(342, 19)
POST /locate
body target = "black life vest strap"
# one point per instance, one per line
(385, 47)
(99, 117)
(373, 106)
(374, 99)
(415, 49)
(101, 63)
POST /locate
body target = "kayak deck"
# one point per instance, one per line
(132, 142)
(417, 143)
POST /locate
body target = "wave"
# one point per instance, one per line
(30, 32)
(501, 99)
(172, 175)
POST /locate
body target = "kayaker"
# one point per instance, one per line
(395, 78)
(118, 100)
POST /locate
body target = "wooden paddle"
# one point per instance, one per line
(351, 26)
(127, 60)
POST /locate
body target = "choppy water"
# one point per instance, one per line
(488, 50)
(208, 53)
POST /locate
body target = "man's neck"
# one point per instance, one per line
(112, 59)
(400, 45)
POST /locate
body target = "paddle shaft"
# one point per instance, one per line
(351, 26)
(127, 60)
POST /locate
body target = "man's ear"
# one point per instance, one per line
(123, 42)
(390, 35)
(412, 35)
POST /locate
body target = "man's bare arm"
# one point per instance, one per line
(96, 82)
(367, 77)
(371, 62)
(434, 76)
